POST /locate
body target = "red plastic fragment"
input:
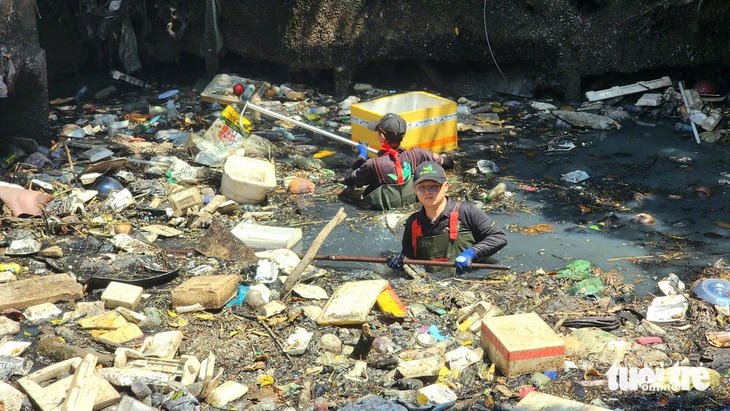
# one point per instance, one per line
(649, 340)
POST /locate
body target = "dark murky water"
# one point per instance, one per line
(631, 164)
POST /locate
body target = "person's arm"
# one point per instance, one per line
(406, 242)
(488, 236)
(359, 174)
(425, 155)
(447, 162)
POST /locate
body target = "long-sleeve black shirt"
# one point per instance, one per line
(489, 237)
(362, 173)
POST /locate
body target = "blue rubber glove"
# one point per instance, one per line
(395, 262)
(463, 261)
(362, 149)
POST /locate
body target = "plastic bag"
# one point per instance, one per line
(222, 137)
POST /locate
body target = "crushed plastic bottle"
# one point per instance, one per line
(496, 192)
(286, 134)
(171, 109)
(487, 166)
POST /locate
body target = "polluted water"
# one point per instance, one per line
(599, 219)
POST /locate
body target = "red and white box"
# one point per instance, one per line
(521, 344)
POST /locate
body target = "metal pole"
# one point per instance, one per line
(304, 125)
(406, 261)
(684, 100)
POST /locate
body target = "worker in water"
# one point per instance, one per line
(445, 229)
(388, 176)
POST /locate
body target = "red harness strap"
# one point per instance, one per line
(417, 230)
(398, 167)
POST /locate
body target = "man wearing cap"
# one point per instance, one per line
(445, 229)
(388, 175)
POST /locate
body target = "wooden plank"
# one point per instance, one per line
(641, 86)
(352, 302)
(316, 244)
(47, 289)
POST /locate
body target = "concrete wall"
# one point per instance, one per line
(24, 112)
(556, 42)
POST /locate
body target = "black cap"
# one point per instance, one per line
(391, 124)
(429, 170)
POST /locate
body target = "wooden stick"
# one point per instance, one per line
(71, 164)
(54, 349)
(316, 244)
(638, 257)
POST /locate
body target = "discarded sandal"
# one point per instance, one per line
(604, 323)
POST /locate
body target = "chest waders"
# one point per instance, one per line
(388, 196)
(445, 246)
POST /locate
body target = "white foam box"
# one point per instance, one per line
(521, 344)
(263, 237)
(650, 100)
(430, 120)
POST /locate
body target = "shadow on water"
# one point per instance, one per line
(630, 173)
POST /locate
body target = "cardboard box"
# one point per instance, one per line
(212, 291)
(431, 120)
(522, 344)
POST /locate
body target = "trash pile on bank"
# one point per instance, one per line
(147, 265)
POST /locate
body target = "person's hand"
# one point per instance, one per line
(463, 261)
(362, 149)
(395, 262)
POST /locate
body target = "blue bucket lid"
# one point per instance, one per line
(714, 291)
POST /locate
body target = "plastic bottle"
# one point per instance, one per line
(152, 319)
(318, 110)
(462, 109)
(287, 135)
(12, 267)
(14, 154)
(682, 128)
(482, 109)
(140, 389)
(496, 192)
(250, 89)
(80, 94)
(631, 108)
(171, 109)
(559, 123)
(130, 404)
(515, 106)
